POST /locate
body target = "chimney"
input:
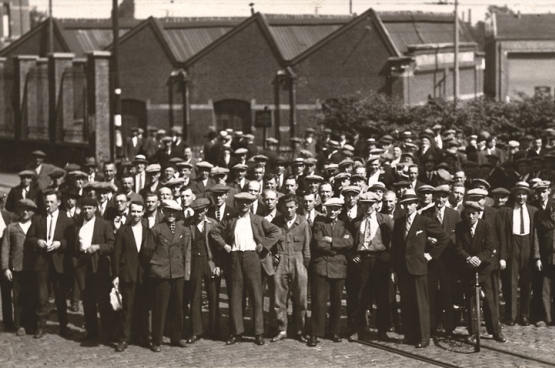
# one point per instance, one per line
(470, 16)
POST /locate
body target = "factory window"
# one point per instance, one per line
(6, 27)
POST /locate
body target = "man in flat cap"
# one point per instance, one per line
(26, 189)
(165, 247)
(516, 252)
(475, 245)
(440, 271)
(248, 238)
(129, 276)
(410, 254)
(202, 266)
(153, 172)
(17, 271)
(203, 181)
(165, 153)
(368, 267)
(292, 257)
(332, 242)
(41, 169)
(133, 144)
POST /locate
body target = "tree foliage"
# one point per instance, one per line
(37, 16)
(378, 114)
(126, 9)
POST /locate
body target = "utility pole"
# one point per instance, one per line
(456, 69)
(50, 28)
(116, 90)
(350, 7)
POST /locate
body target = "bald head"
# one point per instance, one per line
(253, 187)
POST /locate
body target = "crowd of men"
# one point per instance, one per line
(412, 216)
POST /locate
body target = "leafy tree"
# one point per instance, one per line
(37, 16)
(126, 9)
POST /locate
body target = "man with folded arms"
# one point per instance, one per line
(248, 238)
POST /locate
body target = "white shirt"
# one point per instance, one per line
(220, 211)
(2, 225)
(376, 243)
(352, 213)
(102, 207)
(374, 178)
(271, 216)
(516, 220)
(24, 226)
(138, 235)
(291, 222)
(473, 228)
(254, 206)
(86, 234)
(244, 238)
(51, 220)
(151, 220)
(71, 212)
(140, 180)
(38, 169)
(441, 213)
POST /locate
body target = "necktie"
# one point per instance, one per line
(409, 224)
(218, 214)
(472, 231)
(172, 227)
(50, 228)
(521, 220)
(24, 193)
(440, 217)
(141, 182)
(368, 232)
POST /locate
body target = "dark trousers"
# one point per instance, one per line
(7, 311)
(168, 300)
(519, 269)
(536, 307)
(225, 265)
(373, 284)
(23, 299)
(59, 283)
(134, 314)
(95, 292)
(494, 278)
(246, 273)
(200, 272)
(548, 291)
(78, 279)
(441, 284)
(415, 309)
(490, 309)
(322, 289)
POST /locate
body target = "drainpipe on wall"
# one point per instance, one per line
(292, 102)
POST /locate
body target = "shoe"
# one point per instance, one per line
(499, 337)
(20, 332)
(365, 331)
(336, 338)
(259, 340)
(422, 344)
(90, 336)
(353, 337)
(391, 329)
(551, 324)
(524, 321)
(301, 338)
(233, 340)
(541, 324)
(193, 339)
(179, 344)
(74, 307)
(155, 348)
(280, 336)
(510, 322)
(65, 332)
(121, 346)
(312, 341)
(471, 339)
(408, 341)
(39, 334)
(382, 336)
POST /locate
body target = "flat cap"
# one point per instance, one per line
(371, 140)
(105, 185)
(296, 139)
(26, 203)
(544, 184)
(437, 127)
(77, 174)
(260, 158)
(386, 139)
(153, 168)
(342, 176)
(245, 196)
(444, 175)
(249, 136)
(473, 205)
(240, 167)
(139, 159)
(57, 173)
(408, 197)
(240, 151)
(27, 173)
(175, 160)
(219, 188)
(358, 177)
(477, 193)
(200, 203)
(333, 144)
(310, 161)
(219, 171)
(378, 186)
(370, 197)
(204, 165)
(184, 164)
(346, 162)
(166, 139)
(161, 132)
(481, 182)
(348, 147)
(313, 177)
(334, 202)
(272, 140)
(501, 192)
(310, 130)
(71, 192)
(170, 204)
(330, 167)
(351, 189)
(90, 161)
(442, 189)
(401, 183)
(71, 167)
(173, 182)
(521, 186)
(298, 161)
(425, 189)
(176, 129)
(280, 160)
(373, 158)
(38, 153)
(88, 202)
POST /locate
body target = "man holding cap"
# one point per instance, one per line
(410, 254)
(201, 267)
(165, 247)
(369, 264)
(248, 238)
(332, 241)
(475, 246)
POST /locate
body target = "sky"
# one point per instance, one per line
(222, 8)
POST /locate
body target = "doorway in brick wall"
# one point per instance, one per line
(233, 114)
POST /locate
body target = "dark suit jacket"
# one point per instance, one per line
(407, 253)
(398, 212)
(128, 263)
(35, 194)
(103, 235)
(62, 233)
(43, 178)
(386, 228)
(166, 251)
(482, 245)
(198, 187)
(545, 229)
(264, 233)
(228, 211)
(329, 259)
(451, 218)
(211, 251)
(506, 247)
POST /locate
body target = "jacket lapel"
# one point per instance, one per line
(413, 226)
(132, 235)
